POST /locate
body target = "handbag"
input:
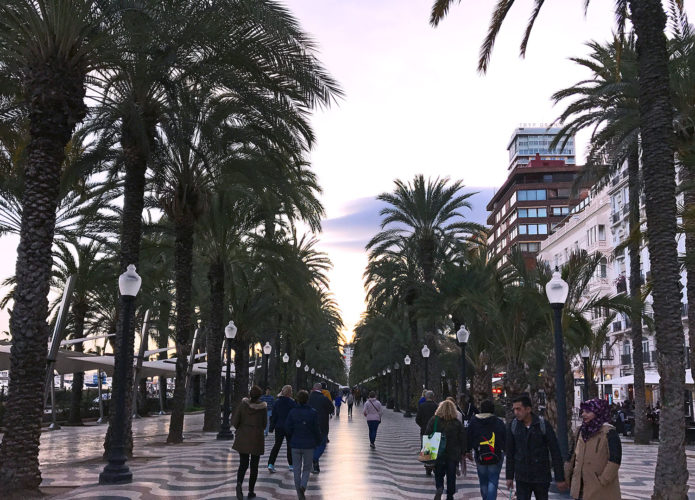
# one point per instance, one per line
(433, 446)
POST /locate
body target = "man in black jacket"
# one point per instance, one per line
(530, 440)
(324, 408)
(424, 413)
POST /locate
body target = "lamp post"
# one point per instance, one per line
(397, 368)
(306, 376)
(389, 381)
(116, 471)
(285, 360)
(298, 365)
(225, 429)
(313, 379)
(443, 381)
(406, 361)
(556, 290)
(267, 348)
(585, 356)
(462, 336)
(426, 354)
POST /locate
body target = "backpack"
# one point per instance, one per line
(541, 422)
(486, 450)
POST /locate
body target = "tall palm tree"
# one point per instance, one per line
(656, 128)
(46, 51)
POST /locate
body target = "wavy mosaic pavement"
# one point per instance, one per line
(204, 468)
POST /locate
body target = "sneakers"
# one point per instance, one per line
(372, 446)
(271, 467)
(291, 468)
(316, 468)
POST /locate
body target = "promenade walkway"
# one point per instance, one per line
(203, 467)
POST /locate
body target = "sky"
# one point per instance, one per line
(414, 103)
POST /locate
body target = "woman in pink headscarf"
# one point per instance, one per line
(593, 467)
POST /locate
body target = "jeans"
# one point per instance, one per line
(349, 410)
(489, 476)
(448, 468)
(243, 467)
(267, 422)
(373, 426)
(279, 437)
(302, 466)
(524, 490)
(318, 451)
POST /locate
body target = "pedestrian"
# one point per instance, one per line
(338, 401)
(593, 467)
(325, 409)
(350, 402)
(326, 392)
(268, 399)
(459, 413)
(302, 427)
(425, 411)
(446, 422)
(373, 411)
(422, 398)
(281, 408)
(530, 442)
(486, 438)
(249, 420)
(468, 409)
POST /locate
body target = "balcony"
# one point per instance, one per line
(626, 359)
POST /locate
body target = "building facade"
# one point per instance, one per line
(528, 141)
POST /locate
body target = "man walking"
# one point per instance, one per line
(325, 409)
(530, 441)
(425, 412)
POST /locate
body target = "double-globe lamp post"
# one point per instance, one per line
(226, 428)
(556, 290)
(116, 471)
(267, 348)
(285, 360)
(306, 376)
(585, 352)
(406, 361)
(426, 354)
(462, 336)
(298, 365)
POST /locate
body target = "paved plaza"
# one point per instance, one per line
(203, 467)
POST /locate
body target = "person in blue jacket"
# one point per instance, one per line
(281, 408)
(302, 427)
(486, 438)
(269, 400)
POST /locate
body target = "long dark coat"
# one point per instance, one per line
(249, 421)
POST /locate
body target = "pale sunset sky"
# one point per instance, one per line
(414, 103)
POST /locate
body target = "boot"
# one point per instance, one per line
(438, 494)
(239, 492)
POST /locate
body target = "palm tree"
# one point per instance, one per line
(608, 103)
(46, 51)
(658, 174)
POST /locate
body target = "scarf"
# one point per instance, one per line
(602, 413)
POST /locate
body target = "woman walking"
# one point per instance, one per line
(373, 412)
(350, 402)
(302, 427)
(593, 467)
(249, 421)
(447, 423)
(281, 408)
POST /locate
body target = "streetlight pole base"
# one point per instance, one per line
(54, 427)
(116, 472)
(407, 414)
(225, 435)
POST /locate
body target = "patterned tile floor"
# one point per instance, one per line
(204, 468)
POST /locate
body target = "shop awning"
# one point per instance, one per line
(651, 377)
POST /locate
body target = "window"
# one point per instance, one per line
(531, 194)
(602, 268)
(601, 232)
(547, 178)
(529, 247)
(533, 212)
(559, 211)
(533, 228)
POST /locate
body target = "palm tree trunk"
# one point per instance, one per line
(183, 270)
(79, 311)
(56, 104)
(241, 364)
(131, 234)
(215, 337)
(481, 386)
(642, 430)
(649, 21)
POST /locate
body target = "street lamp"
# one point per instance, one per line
(267, 348)
(556, 290)
(225, 429)
(443, 378)
(462, 336)
(585, 356)
(116, 471)
(306, 376)
(406, 361)
(397, 368)
(426, 354)
(285, 360)
(298, 364)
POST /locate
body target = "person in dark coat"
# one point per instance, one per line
(486, 438)
(448, 424)
(281, 408)
(302, 427)
(249, 420)
(425, 411)
(530, 442)
(325, 409)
